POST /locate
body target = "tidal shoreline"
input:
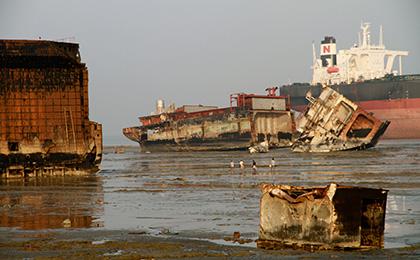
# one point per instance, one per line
(125, 244)
(188, 203)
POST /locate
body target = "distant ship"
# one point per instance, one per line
(364, 74)
(250, 120)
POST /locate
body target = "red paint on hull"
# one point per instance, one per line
(404, 115)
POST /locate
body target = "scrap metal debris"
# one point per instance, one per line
(334, 123)
(262, 147)
(328, 217)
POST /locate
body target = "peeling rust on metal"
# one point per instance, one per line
(253, 120)
(44, 110)
(334, 123)
(328, 217)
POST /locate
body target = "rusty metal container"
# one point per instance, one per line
(44, 110)
(328, 217)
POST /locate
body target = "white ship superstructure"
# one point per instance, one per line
(361, 62)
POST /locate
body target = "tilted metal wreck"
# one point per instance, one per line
(250, 120)
(334, 123)
(328, 217)
(44, 110)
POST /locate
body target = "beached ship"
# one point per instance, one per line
(44, 111)
(364, 74)
(249, 120)
(334, 123)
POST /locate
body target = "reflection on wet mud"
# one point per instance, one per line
(198, 195)
(51, 202)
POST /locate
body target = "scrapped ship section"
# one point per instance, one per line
(44, 110)
(334, 123)
(322, 218)
(250, 120)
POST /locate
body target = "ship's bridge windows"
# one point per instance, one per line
(13, 146)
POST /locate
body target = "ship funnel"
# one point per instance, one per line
(160, 106)
(328, 52)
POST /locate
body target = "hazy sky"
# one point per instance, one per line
(198, 52)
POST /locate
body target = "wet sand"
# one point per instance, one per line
(94, 243)
(177, 196)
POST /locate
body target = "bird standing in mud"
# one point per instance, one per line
(241, 164)
(232, 164)
(272, 163)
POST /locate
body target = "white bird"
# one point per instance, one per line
(241, 164)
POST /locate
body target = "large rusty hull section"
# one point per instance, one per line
(48, 164)
(232, 130)
(322, 218)
(44, 111)
(334, 123)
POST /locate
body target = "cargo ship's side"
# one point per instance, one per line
(44, 110)
(364, 75)
(254, 119)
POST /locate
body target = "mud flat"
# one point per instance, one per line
(127, 245)
(193, 202)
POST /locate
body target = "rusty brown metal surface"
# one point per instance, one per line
(255, 119)
(321, 217)
(44, 110)
(334, 123)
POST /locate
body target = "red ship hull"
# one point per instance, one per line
(404, 115)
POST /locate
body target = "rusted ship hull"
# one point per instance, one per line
(328, 217)
(254, 120)
(334, 123)
(47, 164)
(223, 143)
(44, 112)
(219, 133)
